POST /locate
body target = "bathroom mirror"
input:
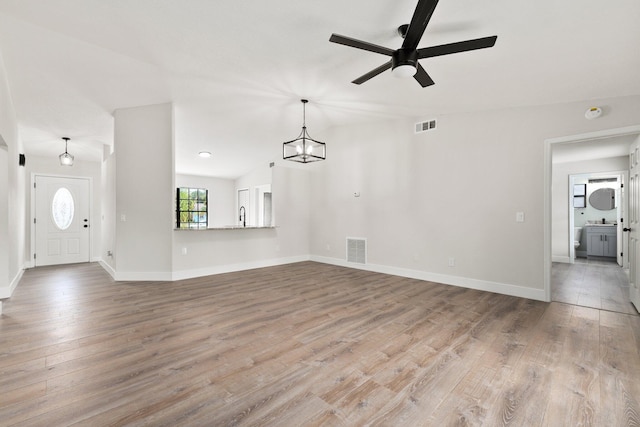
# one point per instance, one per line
(603, 199)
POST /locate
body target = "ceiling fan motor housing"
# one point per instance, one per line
(404, 57)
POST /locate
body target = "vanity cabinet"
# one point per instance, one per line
(602, 241)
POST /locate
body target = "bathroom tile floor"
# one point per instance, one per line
(592, 283)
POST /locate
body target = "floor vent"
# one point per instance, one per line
(425, 126)
(357, 250)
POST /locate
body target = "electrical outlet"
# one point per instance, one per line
(328, 247)
(519, 216)
(184, 251)
(452, 262)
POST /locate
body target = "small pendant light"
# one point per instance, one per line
(304, 149)
(66, 159)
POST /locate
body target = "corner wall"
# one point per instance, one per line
(449, 196)
(12, 178)
(144, 151)
(221, 251)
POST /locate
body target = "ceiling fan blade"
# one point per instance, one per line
(464, 46)
(372, 73)
(418, 23)
(422, 77)
(359, 44)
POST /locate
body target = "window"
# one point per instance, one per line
(580, 195)
(62, 208)
(191, 208)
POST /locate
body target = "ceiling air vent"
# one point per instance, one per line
(357, 250)
(425, 126)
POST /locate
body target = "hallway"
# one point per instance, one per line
(592, 283)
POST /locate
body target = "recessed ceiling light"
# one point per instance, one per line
(204, 154)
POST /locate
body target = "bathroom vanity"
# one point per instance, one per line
(602, 240)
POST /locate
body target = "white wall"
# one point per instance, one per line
(583, 215)
(108, 213)
(4, 220)
(144, 150)
(12, 178)
(560, 232)
(218, 251)
(222, 197)
(80, 168)
(259, 180)
(450, 193)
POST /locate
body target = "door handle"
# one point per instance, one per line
(626, 229)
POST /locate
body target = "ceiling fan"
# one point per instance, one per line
(404, 61)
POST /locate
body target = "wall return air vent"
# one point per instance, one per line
(425, 126)
(356, 250)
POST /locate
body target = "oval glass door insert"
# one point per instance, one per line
(62, 208)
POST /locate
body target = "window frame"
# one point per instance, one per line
(194, 210)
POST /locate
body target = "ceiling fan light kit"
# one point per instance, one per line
(404, 61)
(304, 149)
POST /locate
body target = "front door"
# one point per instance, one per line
(61, 220)
(634, 224)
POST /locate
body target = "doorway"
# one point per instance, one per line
(626, 135)
(61, 226)
(583, 188)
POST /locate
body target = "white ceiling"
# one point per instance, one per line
(236, 71)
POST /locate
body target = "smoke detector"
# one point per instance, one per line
(593, 113)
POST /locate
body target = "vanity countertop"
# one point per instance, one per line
(600, 225)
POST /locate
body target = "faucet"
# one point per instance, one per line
(243, 216)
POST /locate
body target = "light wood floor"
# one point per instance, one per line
(307, 344)
(592, 283)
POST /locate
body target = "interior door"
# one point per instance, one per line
(61, 220)
(633, 225)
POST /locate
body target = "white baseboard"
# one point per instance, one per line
(465, 282)
(7, 291)
(143, 276)
(107, 268)
(198, 272)
(564, 259)
(136, 276)
(219, 269)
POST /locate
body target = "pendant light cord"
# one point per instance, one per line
(304, 112)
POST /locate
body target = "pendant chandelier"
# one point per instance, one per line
(304, 149)
(66, 159)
